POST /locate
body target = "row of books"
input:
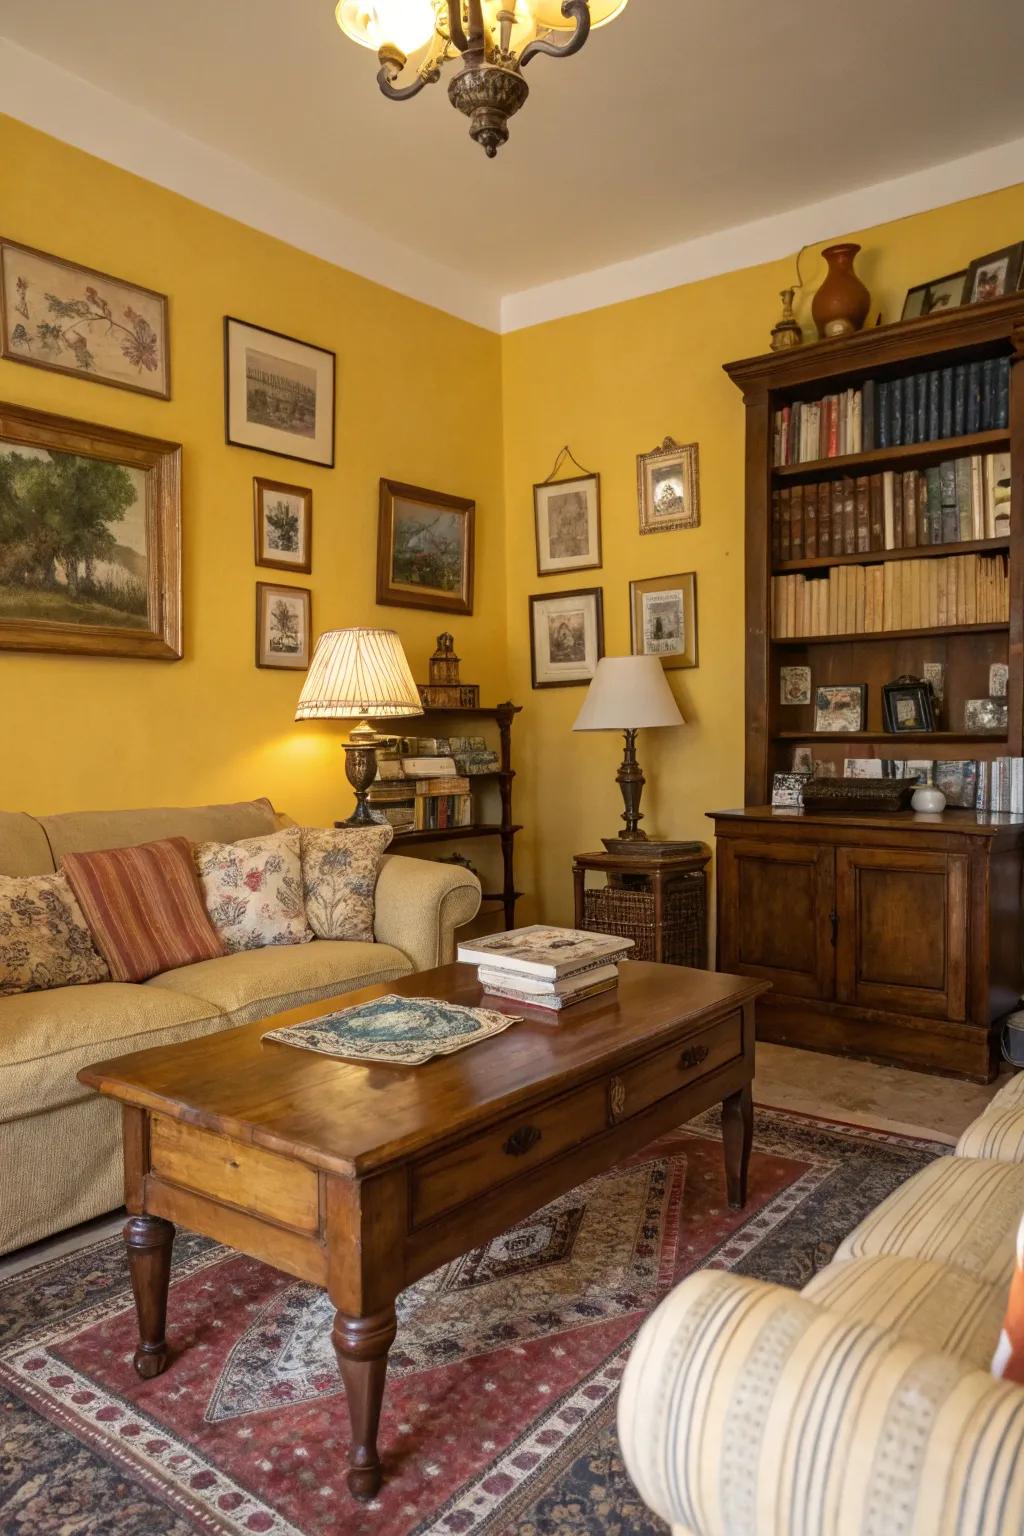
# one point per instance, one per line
(901, 594)
(923, 407)
(954, 502)
(421, 805)
(548, 968)
(967, 783)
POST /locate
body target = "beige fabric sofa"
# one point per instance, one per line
(863, 1405)
(60, 1147)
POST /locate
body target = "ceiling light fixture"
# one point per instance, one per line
(495, 40)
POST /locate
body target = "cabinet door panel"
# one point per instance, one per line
(902, 933)
(775, 913)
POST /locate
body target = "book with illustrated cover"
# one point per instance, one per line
(542, 951)
(554, 1002)
(536, 986)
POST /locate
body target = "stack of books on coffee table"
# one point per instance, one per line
(546, 967)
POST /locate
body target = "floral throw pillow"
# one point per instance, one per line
(339, 875)
(253, 890)
(44, 940)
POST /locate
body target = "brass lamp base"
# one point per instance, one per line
(360, 770)
(631, 781)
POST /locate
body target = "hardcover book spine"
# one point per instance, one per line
(962, 470)
(909, 478)
(946, 404)
(934, 483)
(988, 394)
(959, 399)
(825, 518)
(867, 414)
(882, 414)
(784, 544)
(909, 433)
(934, 408)
(832, 428)
(896, 438)
(920, 407)
(923, 527)
(810, 505)
(876, 514)
(796, 523)
(1002, 401)
(849, 516)
(973, 421)
(896, 481)
(950, 517)
(863, 515)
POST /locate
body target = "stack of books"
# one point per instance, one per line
(901, 594)
(421, 793)
(544, 967)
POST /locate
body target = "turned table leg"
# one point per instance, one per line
(148, 1240)
(361, 1345)
(737, 1136)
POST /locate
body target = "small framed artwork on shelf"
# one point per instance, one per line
(941, 293)
(424, 549)
(284, 525)
(566, 637)
(278, 393)
(284, 622)
(788, 791)
(794, 685)
(567, 522)
(998, 676)
(663, 619)
(986, 715)
(840, 707)
(958, 780)
(908, 704)
(668, 487)
(993, 276)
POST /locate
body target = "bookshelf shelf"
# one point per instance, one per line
(891, 634)
(905, 456)
(896, 738)
(456, 834)
(880, 556)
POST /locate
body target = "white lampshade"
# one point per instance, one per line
(358, 672)
(628, 693)
(407, 24)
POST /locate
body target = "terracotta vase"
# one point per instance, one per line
(841, 304)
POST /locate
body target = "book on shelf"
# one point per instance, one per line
(897, 594)
(545, 952)
(452, 785)
(433, 813)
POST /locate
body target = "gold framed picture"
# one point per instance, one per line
(284, 622)
(424, 549)
(668, 487)
(283, 525)
(663, 614)
(567, 524)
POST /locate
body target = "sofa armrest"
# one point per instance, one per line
(997, 1133)
(418, 905)
(746, 1410)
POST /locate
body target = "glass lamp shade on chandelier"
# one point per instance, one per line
(495, 40)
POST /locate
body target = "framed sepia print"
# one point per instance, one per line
(566, 637)
(278, 394)
(663, 619)
(284, 525)
(941, 293)
(283, 626)
(840, 707)
(567, 521)
(424, 549)
(90, 538)
(668, 487)
(58, 315)
(993, 276)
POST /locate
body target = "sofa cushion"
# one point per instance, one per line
(960, 1211)
(339, 876)
(261, 982)
(24, 849)
(937, 1305)
(46, 1037)
(44, 940)
(997, 1133)
(253, 890)
(85, 831)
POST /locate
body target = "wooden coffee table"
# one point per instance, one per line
(362, 1178)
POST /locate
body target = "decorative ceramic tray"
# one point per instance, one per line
(406, 1031)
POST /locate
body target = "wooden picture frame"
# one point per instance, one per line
(840, 707)
(125, 566)
(272, 651)
(668, 487)
(278, 544)
(425, 549)
(67, 318)
(581, 615)
(940, 293)
(999, 271)
(567, 524)
(665, 628)
(278, 393)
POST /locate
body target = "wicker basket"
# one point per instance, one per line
(858, 794)
(630, 914)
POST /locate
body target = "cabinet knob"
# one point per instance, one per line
(692, 1056)
(521, 1141)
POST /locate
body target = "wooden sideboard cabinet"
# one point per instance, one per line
(893, 937)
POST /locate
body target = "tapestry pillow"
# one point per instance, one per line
(339, 876)
(44, 940)
(1008, 1361)
(253, 890)
(144, 907)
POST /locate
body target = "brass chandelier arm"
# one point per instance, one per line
(392, 62)
(581, 11)
(456, 31)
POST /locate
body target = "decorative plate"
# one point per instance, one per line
(405, 1030)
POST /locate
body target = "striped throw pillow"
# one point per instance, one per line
(1008, 1360)
(144, 907)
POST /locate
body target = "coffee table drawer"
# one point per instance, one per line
(666, 1071)
(264, 1183)
(506, 1151)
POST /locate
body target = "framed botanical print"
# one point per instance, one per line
(283, 626)
(90, 538)
(278, 393)
(284, 525)
(68, 318)
(668, 487)
(567, 520)
(663, 612)
(424, 549)
(566, 637)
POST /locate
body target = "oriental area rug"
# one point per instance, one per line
(500, 1409)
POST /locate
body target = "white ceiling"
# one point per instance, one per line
(677, 120)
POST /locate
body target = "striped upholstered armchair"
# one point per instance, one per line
(863, 1405)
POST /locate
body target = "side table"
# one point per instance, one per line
(659, 903)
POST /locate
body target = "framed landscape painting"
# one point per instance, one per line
(424, 549)
(278, 393)
(283, 525)
(663, 612)
(284, 621)
(71, 319)
(567, 518)
(566, 637)
(90, 538)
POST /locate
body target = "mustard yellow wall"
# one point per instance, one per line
(95, 732)
(614, 383)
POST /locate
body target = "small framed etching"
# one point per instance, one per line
(284, 525)
(567, 522)
(663, 619)
(788, 791)
(566, 637)
(795, 685)
(668, 487)
(998, 675)
(283, 627)
(908, 704)
(278, 393)
(840, 707)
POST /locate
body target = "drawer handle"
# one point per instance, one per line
(522, 1141)
(693, 1056)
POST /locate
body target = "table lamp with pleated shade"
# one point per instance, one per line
(356, 673)
(628, 694)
